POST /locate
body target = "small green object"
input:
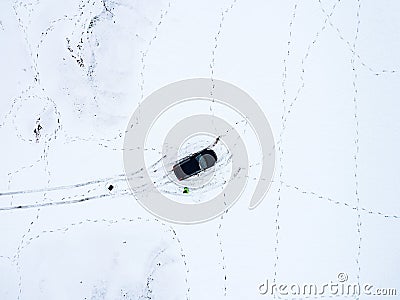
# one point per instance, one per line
(186, 190)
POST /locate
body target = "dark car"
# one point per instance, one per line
(195, 163)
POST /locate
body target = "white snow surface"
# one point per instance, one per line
(326, 75)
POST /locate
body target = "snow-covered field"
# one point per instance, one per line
(326, 76)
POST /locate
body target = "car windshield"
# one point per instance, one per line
(205, 161)
(202, 162)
